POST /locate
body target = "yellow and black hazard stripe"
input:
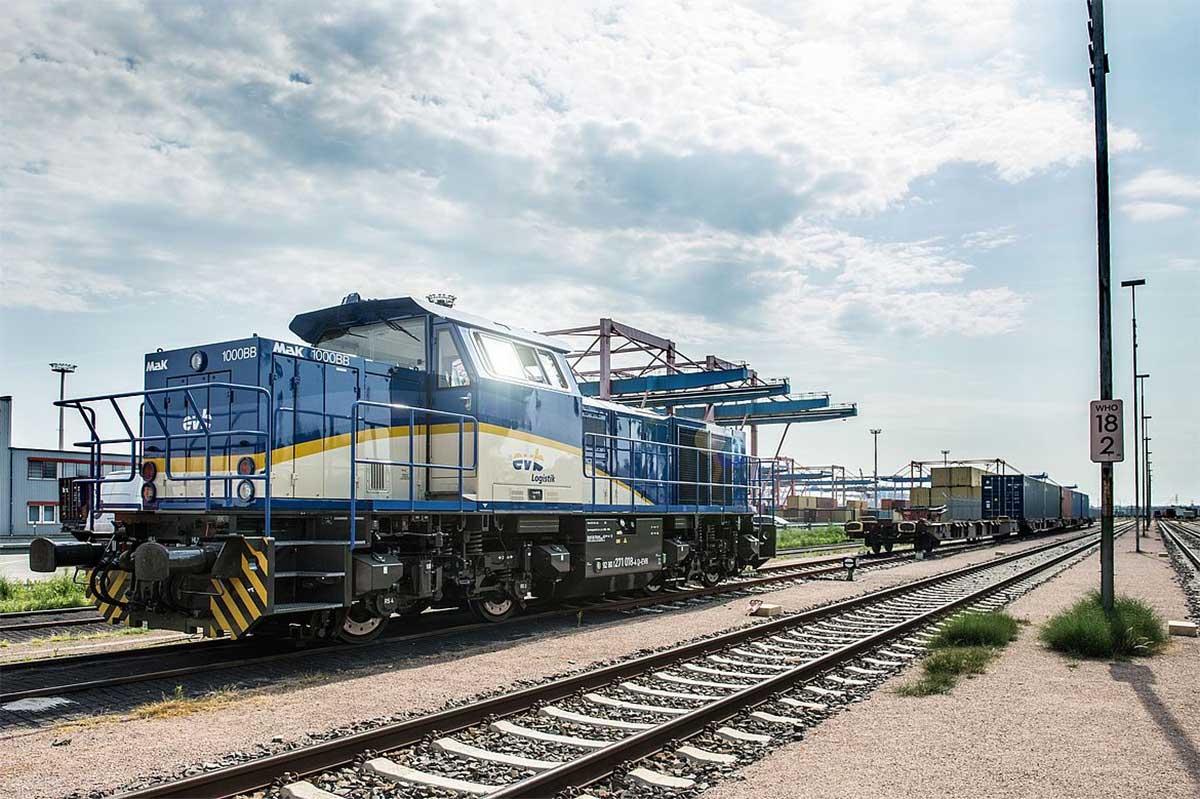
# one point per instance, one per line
(114, 584)
(239, 601)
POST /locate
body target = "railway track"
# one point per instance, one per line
(74, 674)
(28, 621)
(1185, 538)
(692, 709)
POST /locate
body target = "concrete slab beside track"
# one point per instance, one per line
(1035, 725)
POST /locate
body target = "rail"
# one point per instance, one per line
(412, 464)
(137, 442)
(754, 471)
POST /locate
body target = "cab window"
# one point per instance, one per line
(451, 373)
(550, 367)
(398, 341)
(515, 360)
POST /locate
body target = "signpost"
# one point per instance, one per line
(1108, 430)
(1099, 69)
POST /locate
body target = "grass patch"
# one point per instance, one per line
(66, 638)
(1086, 630)
(179, 704)
(790, 537)
(59, 591)
(977, 629)
(963, 647)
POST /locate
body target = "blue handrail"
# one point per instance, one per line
(411, 463)
(754, 471)
(96, 443)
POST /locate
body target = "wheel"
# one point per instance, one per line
(875, 547)
(493, 607)
(710, 577)
(653, 587)
(359, 625)
(887, 546)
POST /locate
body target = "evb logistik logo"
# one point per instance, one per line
(533, 463)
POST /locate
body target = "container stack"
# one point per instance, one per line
(958, 488)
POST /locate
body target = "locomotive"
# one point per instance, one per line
(406, 456)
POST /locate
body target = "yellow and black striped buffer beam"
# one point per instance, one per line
(112, 585)
(242, 596)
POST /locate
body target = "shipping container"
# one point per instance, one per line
(919, 497)
(941, 477)
(1079, 505)
(1017, 496)
(956, 476)
(962, 509)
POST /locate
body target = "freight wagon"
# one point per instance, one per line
(1010, 505)
(1034, 504)
(406, 456)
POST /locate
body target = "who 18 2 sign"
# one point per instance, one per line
(1107, 426)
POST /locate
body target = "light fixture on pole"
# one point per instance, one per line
(1137, 523)
(875, 436)
(945, 456)
(63, 370)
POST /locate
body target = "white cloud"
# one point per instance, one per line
(1184, 264)
(1145, 211)
(990, 238)
(26, 283)
(700, 159)
(1162, 184)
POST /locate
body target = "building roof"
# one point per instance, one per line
(311, 326)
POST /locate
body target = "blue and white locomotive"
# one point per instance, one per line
(474, 470)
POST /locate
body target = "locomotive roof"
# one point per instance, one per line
(311, 326)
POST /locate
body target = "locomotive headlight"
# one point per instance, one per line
(245, 466)
(198, 361)
(149, 471)
(149, 493)
(245, 490)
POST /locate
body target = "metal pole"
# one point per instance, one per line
(1137, 521)
(62, 395)
(875, 436)
(1098, 70)
(1140, 444)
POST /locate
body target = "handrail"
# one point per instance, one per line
(751, 465)
(96, 443)
(412, 464)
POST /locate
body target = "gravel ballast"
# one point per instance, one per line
(113, 754)
(1036, 724)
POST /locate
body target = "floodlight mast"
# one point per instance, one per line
(63, 370)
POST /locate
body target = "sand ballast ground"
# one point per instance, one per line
(1035, 725)
(113, 754)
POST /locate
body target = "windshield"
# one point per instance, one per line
(517, 360)
(398, 341)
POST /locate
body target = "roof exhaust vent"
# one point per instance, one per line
(351, 298)
(442, 299)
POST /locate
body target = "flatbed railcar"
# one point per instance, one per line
(406, 456)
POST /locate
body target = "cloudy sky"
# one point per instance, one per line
(892, 201)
